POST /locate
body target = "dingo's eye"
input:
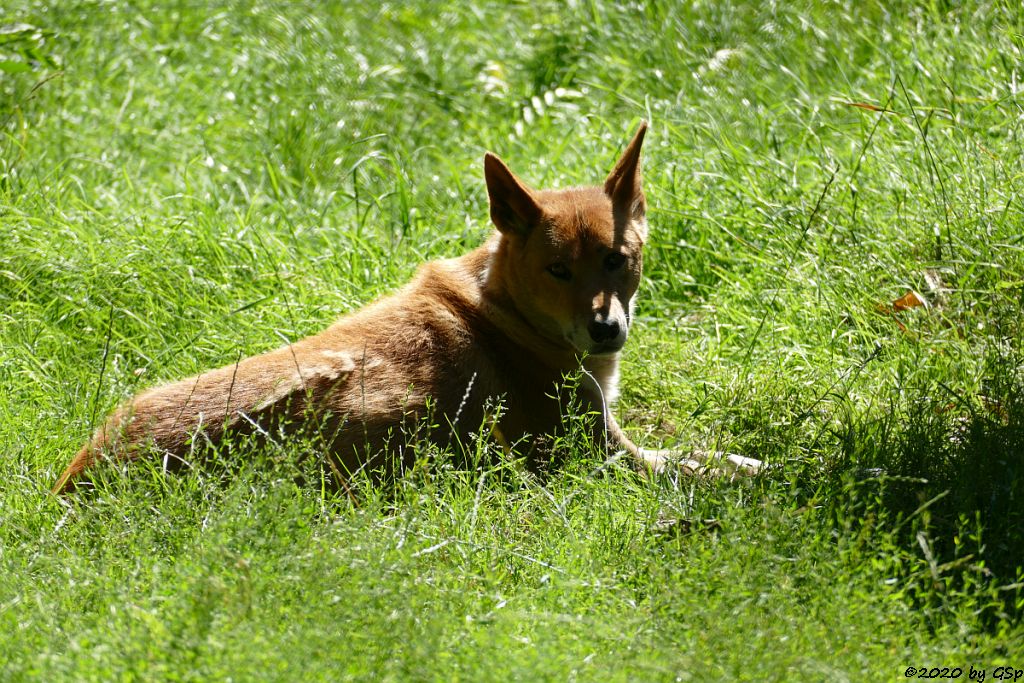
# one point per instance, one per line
(560, 271)
(614, 261)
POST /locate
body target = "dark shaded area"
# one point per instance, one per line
(948, 472)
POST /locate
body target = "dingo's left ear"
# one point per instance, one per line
(623, 183)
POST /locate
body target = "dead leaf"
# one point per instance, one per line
(909, 300)
(868, 106)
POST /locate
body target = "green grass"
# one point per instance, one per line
(186, 182)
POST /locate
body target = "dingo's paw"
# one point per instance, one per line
(743, 466)
(713, 464)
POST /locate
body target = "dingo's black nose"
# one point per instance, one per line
(603, 330)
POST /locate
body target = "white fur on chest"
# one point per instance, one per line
(602, 377)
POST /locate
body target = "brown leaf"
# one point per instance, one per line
(869, 107)
(909, 300)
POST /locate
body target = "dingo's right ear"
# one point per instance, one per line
(514, 210)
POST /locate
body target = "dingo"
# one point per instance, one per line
(549, 294)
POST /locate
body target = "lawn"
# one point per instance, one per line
(834, 284)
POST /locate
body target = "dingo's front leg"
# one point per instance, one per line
(699, 462)
(657, 461)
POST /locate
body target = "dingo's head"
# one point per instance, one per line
(570, 260)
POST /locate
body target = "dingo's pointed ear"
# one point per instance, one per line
(623, 183)
(513, 207)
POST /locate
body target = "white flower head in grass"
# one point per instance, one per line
(723, 59)
(210, 162)
(492, 79)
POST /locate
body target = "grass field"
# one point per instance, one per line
(183, 183)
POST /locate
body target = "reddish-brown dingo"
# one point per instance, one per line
(549, 294)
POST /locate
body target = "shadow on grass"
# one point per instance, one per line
(947, 472)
